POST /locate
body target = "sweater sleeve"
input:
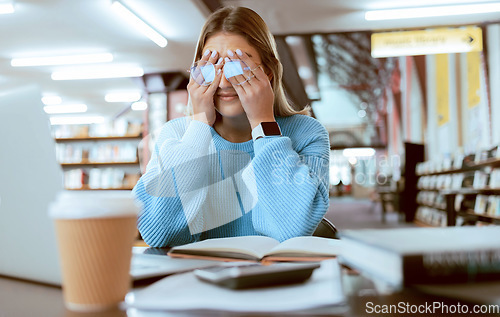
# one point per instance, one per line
(292, 186)
(173, 188)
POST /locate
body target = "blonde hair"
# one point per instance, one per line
(247, 23)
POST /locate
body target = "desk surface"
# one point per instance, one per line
(22, 298)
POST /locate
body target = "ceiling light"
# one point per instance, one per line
(358, 152)
(74, 108)
(62, 60)
(362, 113)
(6, 8)
(425, 12)
(305, 72)
(139, 106)
(139, 24)
(51, 100)
(97, 73)
(77, 120)
(130, 96)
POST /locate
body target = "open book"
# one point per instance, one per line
(260, 248)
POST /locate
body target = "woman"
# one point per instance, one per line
(245, 162)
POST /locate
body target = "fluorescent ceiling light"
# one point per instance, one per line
(139, 24)
(74, 108)
(139, 106)
(77, 120)
(358, 152)
(6, 8)
(97, 73)
(51, 100)
(130, 96)
(425, 12)
(62, 60)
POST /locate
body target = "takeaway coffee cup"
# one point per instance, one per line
(95, 234)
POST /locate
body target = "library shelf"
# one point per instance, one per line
(465, 193)
(115, 155)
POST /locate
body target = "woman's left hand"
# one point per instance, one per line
(256, 94)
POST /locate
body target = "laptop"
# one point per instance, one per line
(30, 177)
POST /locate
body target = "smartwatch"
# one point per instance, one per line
(266, 129)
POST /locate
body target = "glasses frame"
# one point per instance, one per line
(190, 71)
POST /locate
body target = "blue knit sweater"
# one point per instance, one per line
(198, 185)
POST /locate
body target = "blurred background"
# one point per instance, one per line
(408, 91)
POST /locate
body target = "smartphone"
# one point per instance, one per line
(257, 275)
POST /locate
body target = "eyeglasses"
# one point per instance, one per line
(235, 71)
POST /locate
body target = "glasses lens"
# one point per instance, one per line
(203, 72)
(237, 72)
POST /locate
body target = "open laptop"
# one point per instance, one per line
(30, 177)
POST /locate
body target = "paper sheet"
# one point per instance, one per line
(186, 292)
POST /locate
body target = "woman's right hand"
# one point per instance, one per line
(201, 96)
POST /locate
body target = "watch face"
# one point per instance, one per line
(270, 128)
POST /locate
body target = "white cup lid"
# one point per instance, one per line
(94, 204)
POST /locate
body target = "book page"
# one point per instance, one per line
(255, 246)
(307, 246)
(184, 292)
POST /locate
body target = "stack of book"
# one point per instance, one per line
(408, 256)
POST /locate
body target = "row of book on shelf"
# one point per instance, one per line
(458, 161)
(118, 127)
(96, 152)
(99, 178)
(474, 179)
(488, 205)
(483, 206)
(434, 217)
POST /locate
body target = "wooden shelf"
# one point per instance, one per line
(472, 191)
(422, 224)
(86, 187)
(450, 171)
(484, 218)
(103, 138)
(493, 162)
(442, 208)
(88, 163)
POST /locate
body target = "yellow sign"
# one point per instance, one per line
(426, 42)
(473, 79)
(442, 89)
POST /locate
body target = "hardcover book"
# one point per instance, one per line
(409, 256)
(481, 204)
(260, 248)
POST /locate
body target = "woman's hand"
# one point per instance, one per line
(256, 95)
(201, 96)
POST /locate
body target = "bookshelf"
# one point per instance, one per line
(99, 162)
(466, 192)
